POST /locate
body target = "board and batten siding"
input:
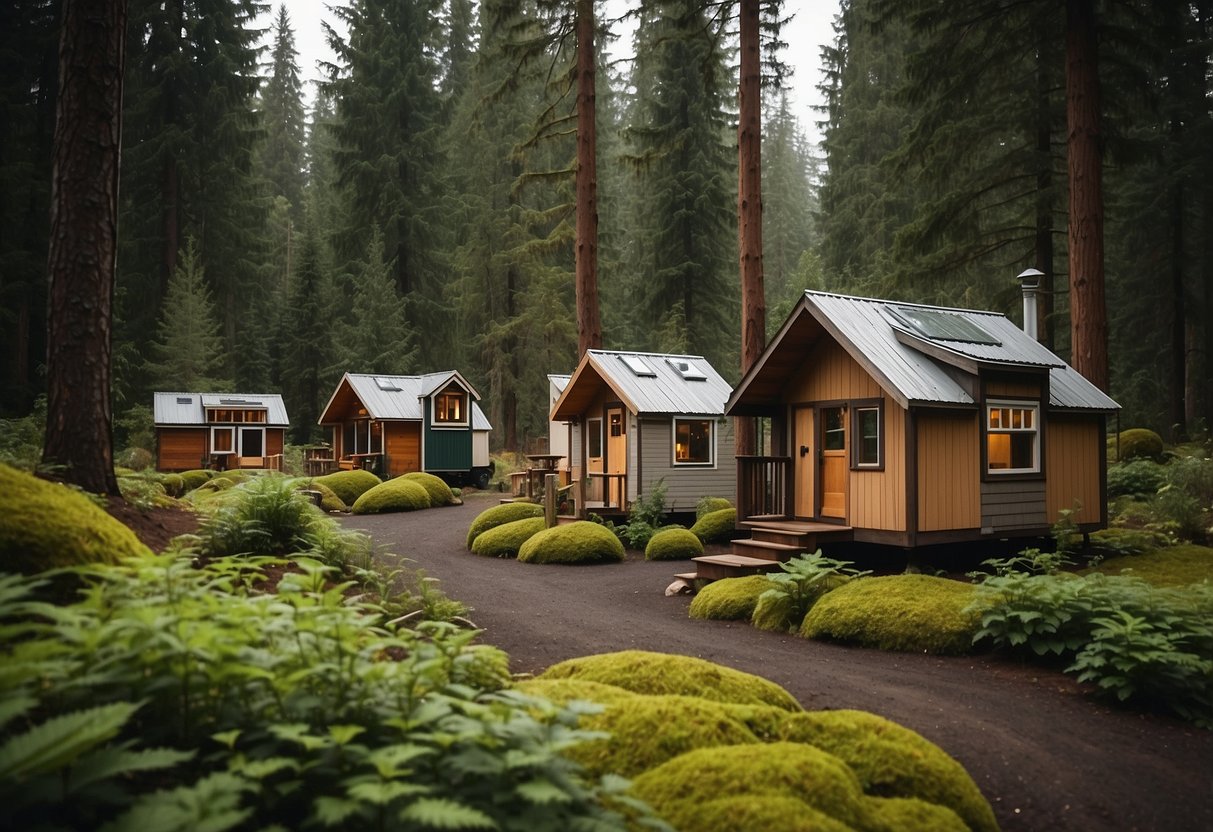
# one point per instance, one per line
(828, 373)
(999, 388)
(877, 499)
(1073, 449)
(181, 449)
(402, 444)
(686, 484)
(1014, 505)
(949, 471)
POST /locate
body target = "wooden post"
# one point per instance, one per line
(549, 499)
(579, 498)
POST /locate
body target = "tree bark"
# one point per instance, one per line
(1044, 196)
(83, 243)
(749, 209)
(589, 321)
(1088, 308)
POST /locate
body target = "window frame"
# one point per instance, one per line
(465, 403)
(710, 462)
(1036, 431)
(591, 431)
(856, 438)
(230, 430)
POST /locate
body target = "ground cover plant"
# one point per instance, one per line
(349, 485)
(645, 516)
(499, 514)
(1164, 566)
(399, 494)
(673, 544)
(716, 525)
(581, 542)
(439, 492)
(729, 599)
(798, 585)
(504, 541)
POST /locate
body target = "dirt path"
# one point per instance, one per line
(1045, 755)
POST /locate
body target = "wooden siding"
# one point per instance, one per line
(828, 373)
(996, 388)
(273, 441)
(1012, 506)
(685, 485)
(1073, 447)
(181, 449)
(403, 447)
(949, 471)
(877, 499)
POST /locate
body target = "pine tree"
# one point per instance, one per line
(188, 353)
(376, 338)
(789, 203)
(308, 353)
(280, 157)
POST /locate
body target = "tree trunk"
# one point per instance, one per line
(1088, 309)
(749, 208)
(1044, 196)
(83, 242)
(589, 322)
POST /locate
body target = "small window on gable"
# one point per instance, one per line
(693, 443)
(451, 407)
(867, 445)
(689, 370)
(638, 366)
(1012, 437)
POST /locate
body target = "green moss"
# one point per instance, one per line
(918, 613)
(730, 599)
(892, 761)
(497, 515)
(715, 525)
(217, 484)
(505, 540)
(349, 485)
(563, 691)
(1137, 443)
(44, 525)
(662, 673)
(174, 484)
(759, 813)
(707, 505)
(195, 478)
(394, 495)
(673, 544)
(581, 542)
(1122, 541)
(329, 501)
(1172, 566)
(902, 814)
(440, 493)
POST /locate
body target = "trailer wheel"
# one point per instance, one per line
(481, 477)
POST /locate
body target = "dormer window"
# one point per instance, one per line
(451, 407)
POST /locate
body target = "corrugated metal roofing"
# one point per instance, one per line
(869, 332)
(190, 408)
(400, 397)
(666, 390)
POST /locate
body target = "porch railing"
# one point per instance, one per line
(762, 486)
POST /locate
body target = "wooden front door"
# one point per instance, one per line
(834, 462)
(804, 463)
(616, 454)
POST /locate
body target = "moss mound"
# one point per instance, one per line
(44, 525)
(899, 814)
(1122, 541)
(193, 479)
(892, 761)
(505, 540)
(1172, 566)
(1138, 443)
(715, 525)
(349, 485)
(673, 544)
(730, 599)
(563, 691)
(760, 813)
(660, 673)
(497, 515)
(440, 493)
(709, 504)
(919, 613)
(394, 495)
(329, 501)
(580, 542)
(173, 484)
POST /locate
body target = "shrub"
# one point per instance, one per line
(268, 516)
(399, 494)
(707, 505)
(1135, 478)
(174, 484)
(919, 613)
(729, 599)
(195, 478)
(1136, 443)
(795, 589)
(349, 485)
(673, 544)
(581, 542)
(716, 525)
(440, 493)
(660, 673)
(499, 514)
(144, 490)
(644, 517)
(1172, 566)
(505, 540)
(329, 501)
(1121, 541)
(45, 525)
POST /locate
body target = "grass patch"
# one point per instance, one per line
(1173, 566)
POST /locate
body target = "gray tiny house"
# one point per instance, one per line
(633, 418)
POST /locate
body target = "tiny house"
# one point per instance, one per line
(908, 425)
(633, 418)
(394, 425)
(219, 430)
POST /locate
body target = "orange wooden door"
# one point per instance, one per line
(804, 462)
(833, 462)
(616, 452)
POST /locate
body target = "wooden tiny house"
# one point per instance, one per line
(635, 418)
(393, 425)
(219, 430)
(909, 425)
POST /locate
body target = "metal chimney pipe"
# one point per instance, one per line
(1029, 281)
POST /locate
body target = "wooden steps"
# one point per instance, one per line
(772, 541)
(715, 567)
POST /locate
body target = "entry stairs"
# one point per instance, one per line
(772, 540)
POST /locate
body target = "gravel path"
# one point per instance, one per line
(1045, 755)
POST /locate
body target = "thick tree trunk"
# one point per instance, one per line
(1088, 308)
(589, 321)
(1044, 197)
(83, 244)
(749, 209)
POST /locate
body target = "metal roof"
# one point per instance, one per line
(656, 386)
(400, 397)
(190, 408)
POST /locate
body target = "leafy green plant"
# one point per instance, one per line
(801, 581)
(1138, 478)
(645, 516)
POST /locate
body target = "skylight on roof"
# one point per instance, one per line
(638, 366)
(687, 369)
(240, 401)
(937, 325)
(185, 400)
(386, 385)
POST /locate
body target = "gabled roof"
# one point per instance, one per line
(401, 398)
(916, 353)
(190, 408)
(646, 383)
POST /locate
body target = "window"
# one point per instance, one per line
(616, 424)
(450, 407)
(867, 438)
(223, 440)
(638, 366)
(689, 370)
(1012, 438)
(834, 429)
(593, 429)
(693, 442)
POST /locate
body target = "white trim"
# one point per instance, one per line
(240, 439)
(231, 429)
(858, 439)
(467, 408)
(711, 423)
(1027, 406)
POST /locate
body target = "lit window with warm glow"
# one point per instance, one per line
(693, 442)
(1012, 438)
(450, 408)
